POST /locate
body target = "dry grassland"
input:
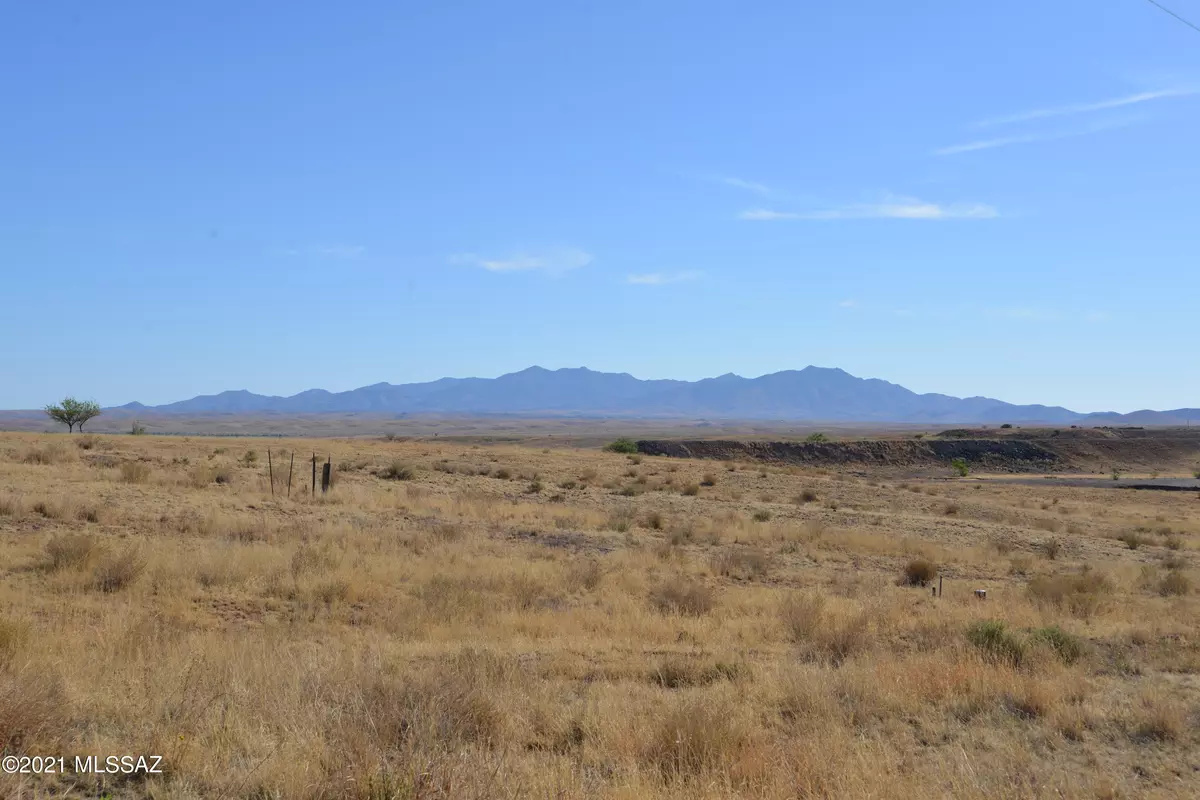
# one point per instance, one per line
(496, 621)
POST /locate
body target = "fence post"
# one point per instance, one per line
(291, 466)
(271, 472)
(326, 475)
(314, 478)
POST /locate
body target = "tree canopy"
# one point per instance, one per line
(72, 412)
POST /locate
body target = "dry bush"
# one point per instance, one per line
(584, 575)
(14, 636)
(119, 570)
(678, 672)
(762, 515)
(709, 479)
(1156, 717)
(1051, 548)
(919, 572)
(397, 471)
(1175, 583)
(34, 711)
(823, 633)
(693, 738)
(1132, 539)
(11, 506)
(135, 471)
(85, 442)
(72, 551)
(807, 496)
(682, 595)
(655, 520)
(691, 490)
(1083, 594)
(742, 563)
(53, 453)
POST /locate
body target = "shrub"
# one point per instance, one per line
(1196, 473)
(137, 429)
(1006, 425)
(816, 437)
(998, 644)
(655, 520)
(807, 496)
(119, 571)
(950, 509)
(397, 471)
(135, 471)
(1132, 539)
(86, 442)
(691, 490)
(503, 474)
(709, 480)
(683, 596)
(1082, 593)
(959, 465)
(1051, 548)
(250, 458)
(535, 487)
(742, 563)
(762, 515)
(692, 739)
(71, 551)
(822, 634)
(1067, 647)
(1175, 583)
(919, 572)
(622, 445)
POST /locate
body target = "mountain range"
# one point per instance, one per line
(812, 393)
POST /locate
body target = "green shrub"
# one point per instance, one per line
(622, 445)
(997, 643)
(959, 465)
(816, 437)
(1006, 425)
(1065, 646)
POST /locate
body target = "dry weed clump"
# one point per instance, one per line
(742, 563)
(117, 571)
(135, 471)
(72, 551)
(681, 595)
(1083, 594)
(825, 633)
(919, 572)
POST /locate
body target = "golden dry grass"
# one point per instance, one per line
(498, 621)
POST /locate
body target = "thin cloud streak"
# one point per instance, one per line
(1086, 108)
(1005, 141)
(553, 262)
(897, 208)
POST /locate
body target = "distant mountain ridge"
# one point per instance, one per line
(813, 393)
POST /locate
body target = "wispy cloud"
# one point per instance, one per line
(1085, 108)
(550, 262)
(892, 208)
(337, 251)
(750, 186)
(1005, 141)
(661, 278)
(848, 303)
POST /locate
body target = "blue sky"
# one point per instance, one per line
(972, 198)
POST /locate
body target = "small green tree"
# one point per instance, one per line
(73, 412)
(960, 466)
(816, 437)
(622, 445)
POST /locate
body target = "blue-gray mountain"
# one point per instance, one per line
(813, 393)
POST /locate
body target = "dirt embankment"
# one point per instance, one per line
(1032, 450)
(1011, 455)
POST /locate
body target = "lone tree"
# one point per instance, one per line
(73, 412)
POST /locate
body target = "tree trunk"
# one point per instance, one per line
(70, 427)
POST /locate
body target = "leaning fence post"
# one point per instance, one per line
(271, 472)
(326, 474)
(291, 466)
(939, 585)
(314, 477)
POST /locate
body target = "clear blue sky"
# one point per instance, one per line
(972, 198)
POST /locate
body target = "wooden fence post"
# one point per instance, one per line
(326, 475)
(291, 466)
(271, 472)
(314, 478)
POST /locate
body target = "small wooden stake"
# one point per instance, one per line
(314, 478)
(271, 472)
(291, 466)
(939, 585)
